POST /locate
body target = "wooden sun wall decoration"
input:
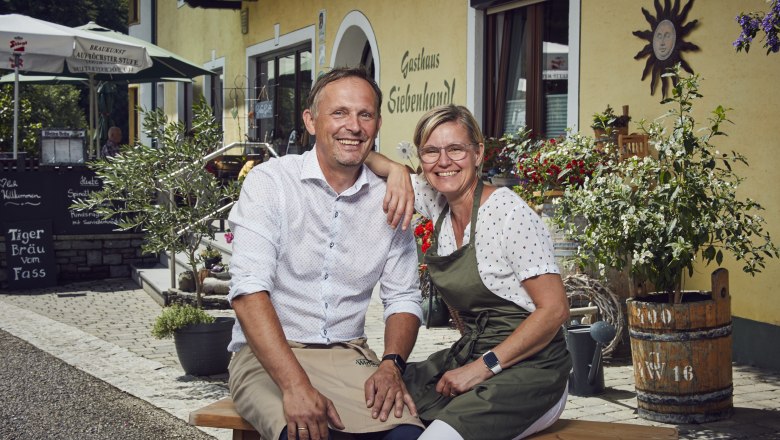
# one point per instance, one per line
(666, 42)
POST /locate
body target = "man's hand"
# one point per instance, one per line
(399, 199)
(308, 413)
(386, 390)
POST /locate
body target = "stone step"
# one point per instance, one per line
(156, 279)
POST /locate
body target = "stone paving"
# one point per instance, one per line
(103, 328)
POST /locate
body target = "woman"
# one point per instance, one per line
(491, 260)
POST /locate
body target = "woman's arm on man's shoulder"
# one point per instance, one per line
(399, 199)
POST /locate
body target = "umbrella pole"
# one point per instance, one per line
(91, 135)
(16, 108)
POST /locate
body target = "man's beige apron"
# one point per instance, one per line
(337, 371)
(509, 402)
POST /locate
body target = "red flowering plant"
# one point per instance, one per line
(423, 232)
(555, 164)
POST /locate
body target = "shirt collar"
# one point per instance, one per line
(311, 171)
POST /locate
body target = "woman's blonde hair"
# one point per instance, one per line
(443, 114)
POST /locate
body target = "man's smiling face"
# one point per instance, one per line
(346, 122)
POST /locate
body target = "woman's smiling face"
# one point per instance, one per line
(451, 177)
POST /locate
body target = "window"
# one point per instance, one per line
(184, 103)
(282, 85)
(527, 62)
(132, 12)
(214, 86)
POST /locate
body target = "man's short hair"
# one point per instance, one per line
(340, 73)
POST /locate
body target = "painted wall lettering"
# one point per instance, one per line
(416, 97)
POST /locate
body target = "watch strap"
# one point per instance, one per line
(398, 361)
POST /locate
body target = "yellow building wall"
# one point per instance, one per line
(404, 31)
(744, 82)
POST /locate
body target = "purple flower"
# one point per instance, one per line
(228, 237)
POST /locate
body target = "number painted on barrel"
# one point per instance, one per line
(653, 316)
(654, 369)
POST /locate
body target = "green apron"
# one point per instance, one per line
(509, 402)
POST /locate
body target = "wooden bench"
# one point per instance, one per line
(222, 414)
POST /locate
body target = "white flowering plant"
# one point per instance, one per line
(657, 216)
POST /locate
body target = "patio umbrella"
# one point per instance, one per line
(40, 46)
(166, 63)
(167, 66)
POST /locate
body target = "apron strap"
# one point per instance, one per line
(474, 212)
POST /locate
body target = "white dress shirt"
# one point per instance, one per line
(512, 242)
(319, 254)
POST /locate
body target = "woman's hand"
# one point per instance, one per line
(399, 199)
(463, 379)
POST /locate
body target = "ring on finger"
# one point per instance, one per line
(303, 428)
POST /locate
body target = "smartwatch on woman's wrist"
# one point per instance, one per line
(491, 362)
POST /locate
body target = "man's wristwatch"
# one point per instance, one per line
(397, 360)
(491, 362)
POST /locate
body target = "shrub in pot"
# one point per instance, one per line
(657, 217)
(201, 339)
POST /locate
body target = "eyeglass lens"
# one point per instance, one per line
(431, 154)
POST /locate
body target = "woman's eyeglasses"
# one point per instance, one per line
(431, 154)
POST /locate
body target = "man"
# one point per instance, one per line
(310, 244)
(111, 148)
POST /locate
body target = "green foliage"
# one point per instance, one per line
(164, 190)
(658, 216)
(29, 131)
(607, 120)
(111, 14)
(501, 155)
(176, 317)
(41, 106)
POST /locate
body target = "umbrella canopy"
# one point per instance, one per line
(40, 46)
(166, 63)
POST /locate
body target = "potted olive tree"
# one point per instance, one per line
(164, 190)
(657, 217)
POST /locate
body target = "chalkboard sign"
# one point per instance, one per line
(29, 253)
(25, 195)
(48, 194)
(79, 184)
(264, 109)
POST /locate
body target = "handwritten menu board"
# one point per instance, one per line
(29, 253)
(79, 185)
(48, 195)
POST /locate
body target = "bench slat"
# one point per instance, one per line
(222, 414)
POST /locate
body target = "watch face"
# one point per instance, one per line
(491, 360)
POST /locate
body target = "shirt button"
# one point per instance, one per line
(331, 244)
(326, 276)
(336, 215)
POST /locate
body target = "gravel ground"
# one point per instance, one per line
(45, 398)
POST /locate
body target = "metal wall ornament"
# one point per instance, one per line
(665, 42)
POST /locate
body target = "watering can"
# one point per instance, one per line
(585, 344)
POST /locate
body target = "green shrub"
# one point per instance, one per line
(177, 317)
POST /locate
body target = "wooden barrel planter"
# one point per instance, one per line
(682, 355)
